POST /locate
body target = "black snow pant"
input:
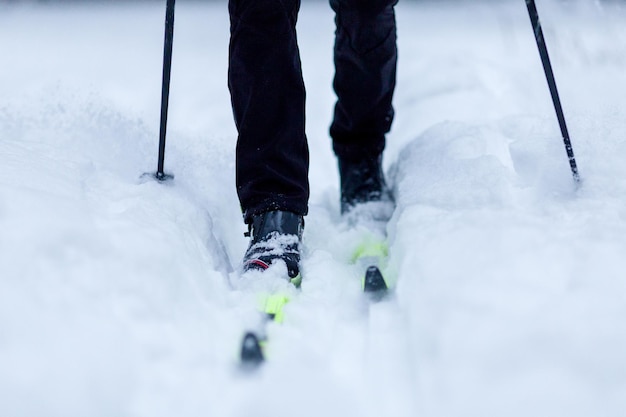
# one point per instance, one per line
(268, 95)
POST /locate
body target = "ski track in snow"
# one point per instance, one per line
(118, 296)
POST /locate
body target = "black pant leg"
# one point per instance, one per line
(365, 76)
(268, 99)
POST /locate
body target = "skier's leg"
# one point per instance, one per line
(365, 77)
(267, 92)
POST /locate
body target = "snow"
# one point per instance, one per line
(118, 296)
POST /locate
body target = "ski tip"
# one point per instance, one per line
(374, 284)
(251, 351)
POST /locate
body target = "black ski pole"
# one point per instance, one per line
(165, 90)
(547, 68)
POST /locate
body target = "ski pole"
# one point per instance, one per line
(165, 89)
(547, 68)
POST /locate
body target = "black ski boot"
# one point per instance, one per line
(275, 236)
(362, 181)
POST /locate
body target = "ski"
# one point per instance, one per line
(371, 256)
(252, 352)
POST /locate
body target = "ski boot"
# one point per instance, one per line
(362, 181)
(275, 236)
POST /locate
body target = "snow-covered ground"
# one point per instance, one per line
(116, 293)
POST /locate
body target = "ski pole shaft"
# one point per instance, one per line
(165, 90)
(547, 68)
